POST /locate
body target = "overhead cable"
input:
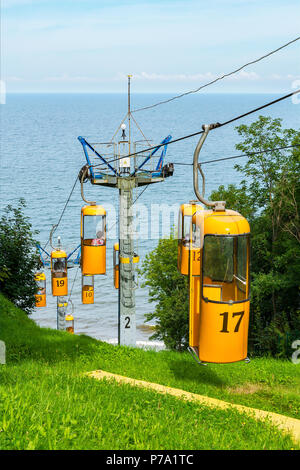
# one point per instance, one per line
(218, 78)
(218, 125)
(250, 154)
(63, 211)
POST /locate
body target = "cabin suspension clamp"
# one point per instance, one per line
(84, 174)
(215, 205)
(168, 170)
(211, 126)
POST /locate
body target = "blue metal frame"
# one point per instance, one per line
(44, 262)
(158, 169)
(47, 263)
(78, 256)
(156, 172)
(85, 144)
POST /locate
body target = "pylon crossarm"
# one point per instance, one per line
(86, 145)
(160, 162)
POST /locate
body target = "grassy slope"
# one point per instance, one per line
(47, 403)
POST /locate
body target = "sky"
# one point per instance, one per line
(169, 46)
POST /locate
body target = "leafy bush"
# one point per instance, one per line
(169, 289)
(269, 198)
(19, 259)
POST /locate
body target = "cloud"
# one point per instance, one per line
(243, 75)
(276, 76)
(18, 3)
(65, 78)
(14, 79)
(182, 77)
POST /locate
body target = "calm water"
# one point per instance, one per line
(41, 156)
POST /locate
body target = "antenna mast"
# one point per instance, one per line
(129, 114)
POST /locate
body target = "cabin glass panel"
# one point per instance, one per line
(242, 265)
(59, 265)
(94, 230)
(88, 281)
(226, 268)
(180, 217)
(41, 287)
(196, 236)
(186, 230)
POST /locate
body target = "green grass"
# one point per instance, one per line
(48, 403)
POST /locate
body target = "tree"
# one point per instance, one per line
(168, 288)
(268, 196)
(19, 259)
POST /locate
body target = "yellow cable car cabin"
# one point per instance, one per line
(93, 240)
(40, 296)
(186, 212)
(87, 291)
(215, 254)
(116, 265)
(59, 275)
(69, 323)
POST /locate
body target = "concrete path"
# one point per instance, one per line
(284, 423)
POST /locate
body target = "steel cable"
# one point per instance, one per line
(218, 78)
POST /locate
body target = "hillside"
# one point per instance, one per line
(47, 401)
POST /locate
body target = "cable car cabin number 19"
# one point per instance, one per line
(59, 278)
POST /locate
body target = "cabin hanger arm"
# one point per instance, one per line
(216, 205)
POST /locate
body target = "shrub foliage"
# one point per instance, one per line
(268, 196)
(19, 258)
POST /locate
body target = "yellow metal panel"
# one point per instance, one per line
(184, 260)
(87, 294)
(213, 292)
(40, 300)
(59, 286)
(194, 317)
(135, 259)
(185, 249)
(58, 254)
(116, 276)
(93, 259)
(225, 223)
(93, 210)
(223, 335)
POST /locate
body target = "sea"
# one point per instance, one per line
(41, 157)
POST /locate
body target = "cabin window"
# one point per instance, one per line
(180, 217)
(94, 230)
(196, 236)
(225, 268)
(218, 258)
(242, 249)
(88, 281)
(59, 265)
(186, 230)
(40, 284)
